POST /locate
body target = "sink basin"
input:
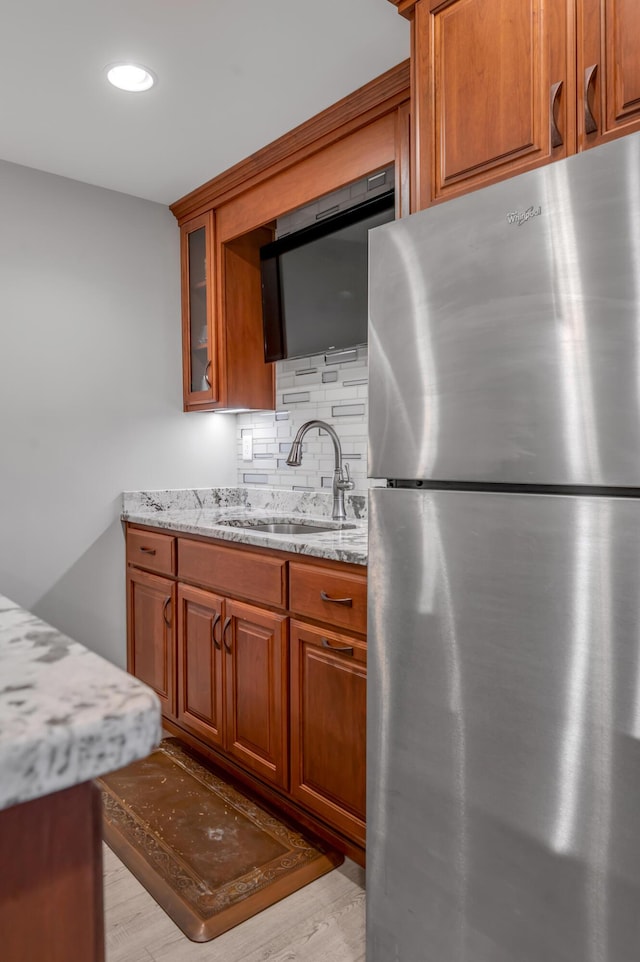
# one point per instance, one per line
(286, 527)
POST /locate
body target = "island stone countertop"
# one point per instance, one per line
(221, 512)
(66, 714)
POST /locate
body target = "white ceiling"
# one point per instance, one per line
(232, 77)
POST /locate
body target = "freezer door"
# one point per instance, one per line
(503, 761)
(504, 331)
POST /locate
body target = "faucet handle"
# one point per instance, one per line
(344, 481)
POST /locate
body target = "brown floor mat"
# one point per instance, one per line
(207, 853)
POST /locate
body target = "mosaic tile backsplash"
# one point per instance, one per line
(336, 391)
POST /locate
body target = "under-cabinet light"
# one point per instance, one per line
(130, 76)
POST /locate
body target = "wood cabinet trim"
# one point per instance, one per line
(405, 7)
(403, 161)
(366, 150)
(379, 96)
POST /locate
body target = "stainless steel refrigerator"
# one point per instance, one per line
(503, 786)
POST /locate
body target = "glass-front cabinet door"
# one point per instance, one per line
(198, 304)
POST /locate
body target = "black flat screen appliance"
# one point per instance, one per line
(314, 283)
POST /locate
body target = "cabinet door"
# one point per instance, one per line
(200, 663)
(328, 726)
(151, 606)
(608, 69)
(199, 348)
(255, 643)
(493, 91)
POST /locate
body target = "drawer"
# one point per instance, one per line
(155, 552)
(328, 595)
(260, 578)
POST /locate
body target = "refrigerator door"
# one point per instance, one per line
(504, 334)
(503, 750)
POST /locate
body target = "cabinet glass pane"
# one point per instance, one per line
(198, 294)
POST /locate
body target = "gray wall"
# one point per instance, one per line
(90, 394)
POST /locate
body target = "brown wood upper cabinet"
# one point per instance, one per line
(199, 347)
(501, 86)
(492, 92)
(222, 352)
(608, 70)
(226, 221)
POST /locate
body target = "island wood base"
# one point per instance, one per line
(51, 904)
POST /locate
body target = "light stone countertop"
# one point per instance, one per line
(201, 511)
(66, 714)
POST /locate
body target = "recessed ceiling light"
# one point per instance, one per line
(130, 76)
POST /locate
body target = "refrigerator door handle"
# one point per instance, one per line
(337, 601)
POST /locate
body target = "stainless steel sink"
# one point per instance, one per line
(285, 527)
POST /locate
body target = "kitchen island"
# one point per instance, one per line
(67, 716)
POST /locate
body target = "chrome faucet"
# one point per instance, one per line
(341, 480)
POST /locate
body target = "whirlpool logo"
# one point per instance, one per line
(520, 217)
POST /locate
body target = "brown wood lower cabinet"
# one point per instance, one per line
(51, 905)
(232, 679)
(328, 726)
(271, 683)
(151, 634)
(200, 663)
(255, 644)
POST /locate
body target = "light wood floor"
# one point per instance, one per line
(322, 922)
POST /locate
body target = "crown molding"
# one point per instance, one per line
(373, 100)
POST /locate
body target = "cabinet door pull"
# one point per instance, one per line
(214, 624)
(147, 550)
(337, 601)
(343, 649)
(206, 373)
(556, 136)
(590, 125)
(165, 608)
(227, 622)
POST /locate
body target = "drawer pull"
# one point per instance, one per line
(147, 550)
(214, 624)
(337, 601)
(343, 649)
(590, 125)
(165, 607)
(556, 136)
(227, 622)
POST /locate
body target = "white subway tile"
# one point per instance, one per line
(330, 391)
